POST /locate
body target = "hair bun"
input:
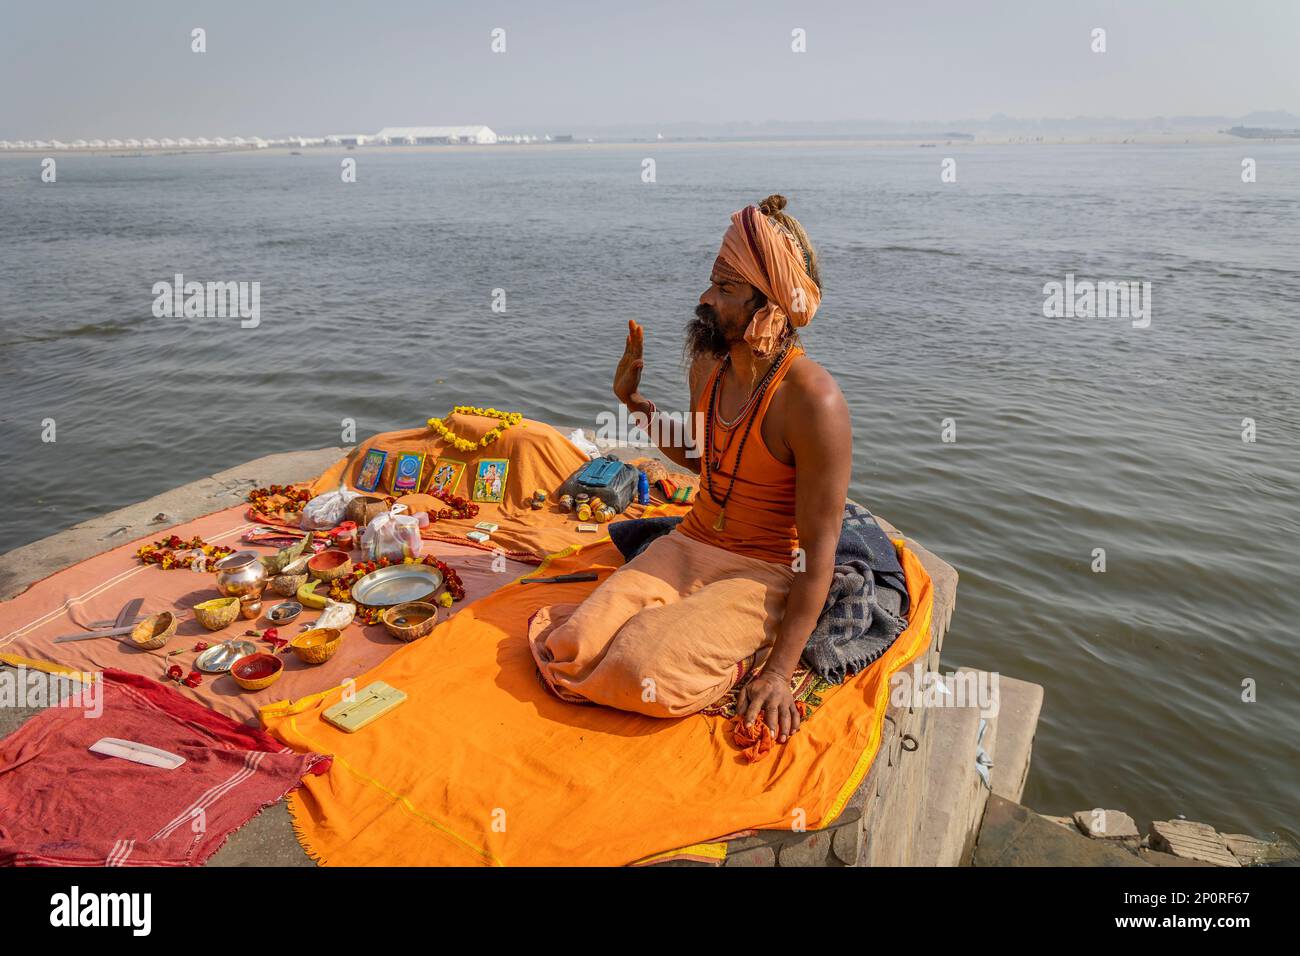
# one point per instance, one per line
(772, 204)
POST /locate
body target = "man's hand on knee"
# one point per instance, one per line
(769, 695)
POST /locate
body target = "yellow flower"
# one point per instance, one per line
(444, 599)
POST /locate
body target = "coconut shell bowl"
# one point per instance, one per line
(329, 565)
(410, 621)
(154, 631)
(257, 671)
(317, 645)
(217, 613)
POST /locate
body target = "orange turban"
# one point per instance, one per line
(768, 257)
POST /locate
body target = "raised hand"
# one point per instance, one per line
(627, 377)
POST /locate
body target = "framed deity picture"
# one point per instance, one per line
(490, 479)
(445, 477)
(407, 473)
(372, 469)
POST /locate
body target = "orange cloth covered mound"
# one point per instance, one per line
(540, 458)
(482, 766)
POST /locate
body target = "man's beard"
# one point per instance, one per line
(704, 335)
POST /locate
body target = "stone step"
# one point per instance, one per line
(954, 795)
(1013, 728)
(1012, 835)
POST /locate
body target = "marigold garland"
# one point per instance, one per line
(507, 420)
(461, 507)
(164, 553)
(341, 588)
(260, 499)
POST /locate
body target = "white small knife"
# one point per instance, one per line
(136, 753)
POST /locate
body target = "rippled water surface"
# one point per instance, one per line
(1072, 434)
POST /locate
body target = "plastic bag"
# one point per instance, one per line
(585, 444)
(337, 614)
(394, 535)
(326, 511)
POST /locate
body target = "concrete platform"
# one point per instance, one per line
(917, 803)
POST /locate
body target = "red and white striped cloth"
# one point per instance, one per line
(61, 805)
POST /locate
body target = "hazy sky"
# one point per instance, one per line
(124, 68)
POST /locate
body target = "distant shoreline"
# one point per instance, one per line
(1149, 139)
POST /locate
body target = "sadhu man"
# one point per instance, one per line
(740, 583)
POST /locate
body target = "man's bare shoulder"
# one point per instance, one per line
(812, 390)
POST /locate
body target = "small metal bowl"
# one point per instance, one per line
(284, 612)
(218, 658)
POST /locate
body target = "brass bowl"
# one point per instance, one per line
(410, 621)
(329, 565)
(241, 575)
(217, 613)
(317, 645)
(154, 632)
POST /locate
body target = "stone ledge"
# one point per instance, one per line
(23, 566)
(268, 838)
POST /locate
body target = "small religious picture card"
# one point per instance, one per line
(490, 480)
(446, 476)
(407, 473)
(372, 469)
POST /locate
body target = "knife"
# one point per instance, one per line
(112, 632)
(128, 615)
(95, 625)
(561, 578)
(129, 610)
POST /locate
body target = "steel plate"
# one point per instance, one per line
(397, 585)
(218, 658)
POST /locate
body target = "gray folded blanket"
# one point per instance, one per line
(867, 604)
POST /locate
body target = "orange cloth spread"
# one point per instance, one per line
(539, 456)
(760, 513)
(481, 765)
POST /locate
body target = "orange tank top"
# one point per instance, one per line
(760, 514)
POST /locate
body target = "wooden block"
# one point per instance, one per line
(1191, 841)
(1250, 850)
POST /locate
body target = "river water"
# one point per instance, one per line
(1071, 434)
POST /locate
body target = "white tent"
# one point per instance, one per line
(419, 135)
